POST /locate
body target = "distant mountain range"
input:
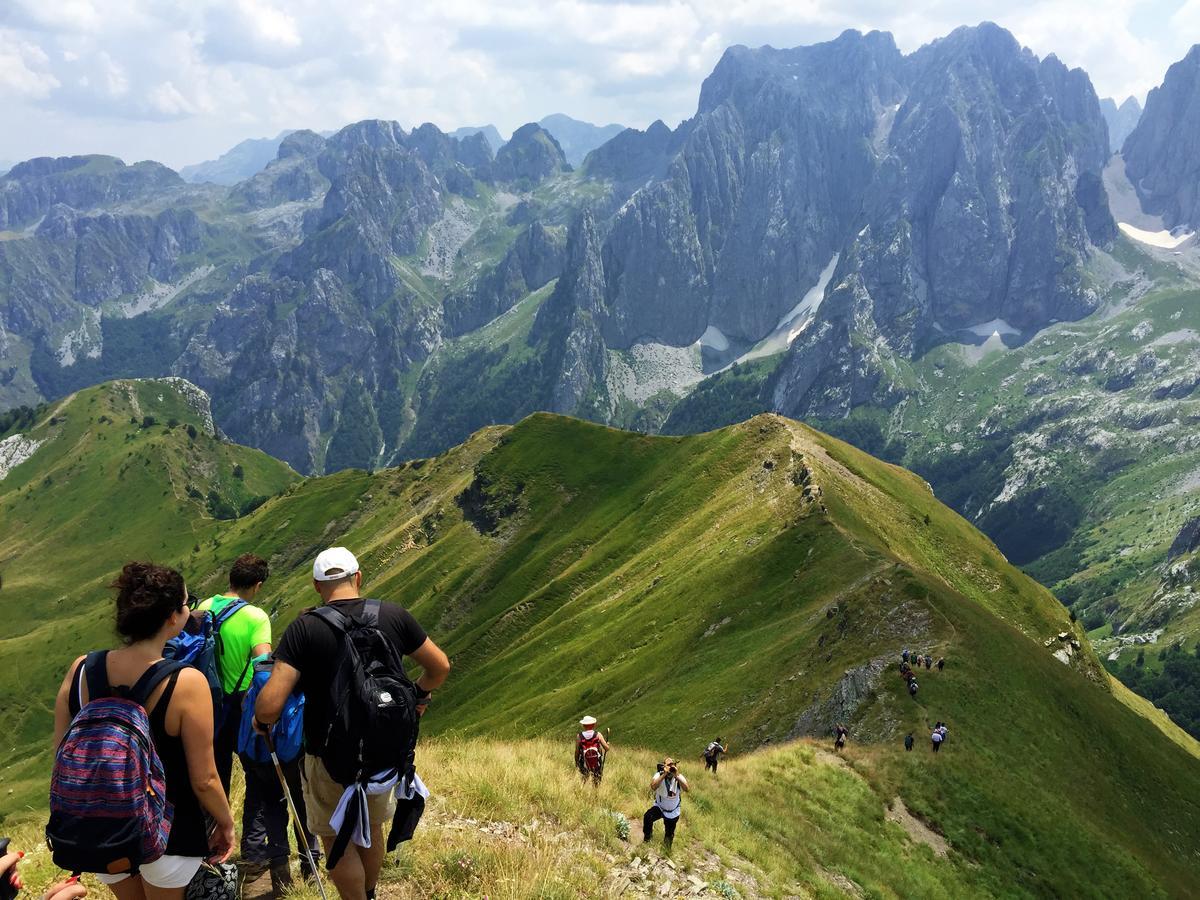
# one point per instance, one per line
(236, 164)
(246, 159)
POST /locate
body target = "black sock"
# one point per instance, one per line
(370, 893)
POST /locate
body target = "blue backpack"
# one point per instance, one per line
(287, 733)
(199, 645)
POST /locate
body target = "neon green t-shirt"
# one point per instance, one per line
(241, 633)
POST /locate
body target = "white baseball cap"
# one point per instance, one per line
(334, 563)
(587, 720)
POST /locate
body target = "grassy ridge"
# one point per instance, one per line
(756, 582)
(103, 487)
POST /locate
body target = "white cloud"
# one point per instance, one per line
(24, 69)
(186, 79)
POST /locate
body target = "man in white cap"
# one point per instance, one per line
(590, 750)
(310, 657)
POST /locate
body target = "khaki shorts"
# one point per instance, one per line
(322, 793)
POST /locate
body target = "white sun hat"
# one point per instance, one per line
(587, 720)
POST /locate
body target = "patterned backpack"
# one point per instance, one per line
(108, 791)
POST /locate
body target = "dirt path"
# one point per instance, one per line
(917, 830)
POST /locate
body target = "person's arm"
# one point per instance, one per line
(683, 785)
(274, 694)
(657, 780)
(603, 742)
(435, 665)
(193, 700)
(62, 702)
(260, 636)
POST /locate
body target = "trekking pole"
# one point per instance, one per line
(295, 817)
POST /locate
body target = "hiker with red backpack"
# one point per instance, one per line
(590, 751)
(135, 781)
(361, 718)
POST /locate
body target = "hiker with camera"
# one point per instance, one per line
(361, 718)
(668, 787)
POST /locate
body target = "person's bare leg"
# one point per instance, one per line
(129, 888)
(157, 893)
(372, 859)
(348, 876)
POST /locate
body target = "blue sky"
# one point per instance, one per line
(183, 81)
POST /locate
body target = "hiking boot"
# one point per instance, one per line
(250, 870)
(281, 878)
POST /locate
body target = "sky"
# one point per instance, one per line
(183, 81)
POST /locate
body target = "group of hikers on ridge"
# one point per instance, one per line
(909, 662)
(667, 784)
(324, 725)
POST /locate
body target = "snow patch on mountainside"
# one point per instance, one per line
(795, 321)
(995, 326)
(1164, 239)
(714, 339)
(14, 450)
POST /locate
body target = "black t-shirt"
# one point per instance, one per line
(311, 646)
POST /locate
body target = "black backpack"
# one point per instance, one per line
(373, 721)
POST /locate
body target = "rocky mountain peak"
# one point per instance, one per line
(300, 143)
(82, 182)
(1162, 154)
(530, 156)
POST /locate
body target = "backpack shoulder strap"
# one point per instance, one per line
(95, 669)
(332, 617)
(152, 678)
(228, 613)
(370, 613)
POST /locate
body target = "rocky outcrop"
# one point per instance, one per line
(568, 325)
(81, 182)
(979, 210)
(1121, 120)
(1162, 155)
(766, 183)
(531, 156)
(534, 259)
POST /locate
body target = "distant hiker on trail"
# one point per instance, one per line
(905, 668)
(243, 639)
(904, 656)
(908, 741)
(938, 736)
(590, 750)
(941, 662)
(928, 661)
(840, 733)
(712, 755)
(152, 718)
(360, 732)
(912, 687)
(668, 786)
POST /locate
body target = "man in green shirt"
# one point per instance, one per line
(245, 638)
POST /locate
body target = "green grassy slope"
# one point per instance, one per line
(683, 587)
(99, 490)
